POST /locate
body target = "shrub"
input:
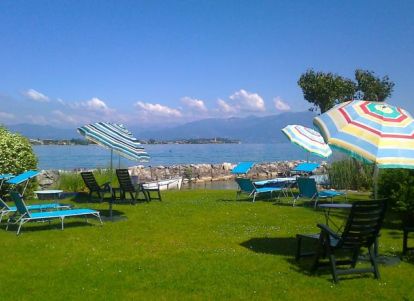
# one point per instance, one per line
(71, 182)
(397, 185)
(16, 155)
(351, 174)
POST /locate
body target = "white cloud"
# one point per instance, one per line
(95, 104)
(280, 104)
(193, 103)
(157, 109)
(6, 116)
(35, 95)
(248, 101)
(225, 107)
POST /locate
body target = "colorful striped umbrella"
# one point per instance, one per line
(308, 139)
(116, 138)
(372, 131)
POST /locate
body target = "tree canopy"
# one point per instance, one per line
(325, 90)
(372, 87)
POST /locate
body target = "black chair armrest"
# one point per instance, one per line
(328, 230)
(106, 185)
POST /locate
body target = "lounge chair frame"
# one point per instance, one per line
(26, 216)
(247, 186)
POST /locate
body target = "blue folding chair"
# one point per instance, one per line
(248, 187)
(307, 188)
(24, 215)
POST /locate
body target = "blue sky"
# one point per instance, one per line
(67, 63)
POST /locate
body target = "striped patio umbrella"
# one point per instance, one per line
(375, 132)
(116, 138)
(308, 139)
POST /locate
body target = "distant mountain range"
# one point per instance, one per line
(251, 129)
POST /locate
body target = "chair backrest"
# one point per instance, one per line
(245, 185)
(306, 167)
(363, 224)
(23, 177)
(20, 205)
(307, 187)
(242, 168)
(125, 181)
(90, 181)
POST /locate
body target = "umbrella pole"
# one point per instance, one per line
(307, 156)
(375, 180)
(112, 153)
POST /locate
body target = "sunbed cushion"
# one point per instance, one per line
(62, 213)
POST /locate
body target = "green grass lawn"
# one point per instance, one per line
(194, 245)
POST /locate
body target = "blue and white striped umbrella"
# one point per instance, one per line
(308, 139)
(116, 138)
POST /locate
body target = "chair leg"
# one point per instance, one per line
(332, 260)
(354, 258)
(20, 225)
(254, 196)
(374, 263)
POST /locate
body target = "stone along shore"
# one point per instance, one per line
(194, 173)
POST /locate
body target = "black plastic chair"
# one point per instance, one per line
(361, 231)
(93, 186)
(126, 186)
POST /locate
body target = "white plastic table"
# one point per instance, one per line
(50, 194)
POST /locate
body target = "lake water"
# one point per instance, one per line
(93, 156)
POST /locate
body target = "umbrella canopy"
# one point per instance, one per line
(308, 139)
(116, 138)
(372, 131)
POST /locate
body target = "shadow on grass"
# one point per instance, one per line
(285, 246)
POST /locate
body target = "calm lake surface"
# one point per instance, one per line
(93, 156)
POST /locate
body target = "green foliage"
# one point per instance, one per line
(188, 173)
(71, 182)
(373, 88)
(397, 185)
(16, 155)
(351, 174)
(324, 90)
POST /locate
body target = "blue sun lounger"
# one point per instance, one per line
(26, 216)
(23, 177)
(6, 209)
(307, 188)
(248, 187)
(306, 167)
(242, 168)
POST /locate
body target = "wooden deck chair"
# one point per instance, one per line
(361, 231)
(126, 186)
(93, 186)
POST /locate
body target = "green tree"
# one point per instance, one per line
(16, 154)
(373, 87)
(325, 90)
